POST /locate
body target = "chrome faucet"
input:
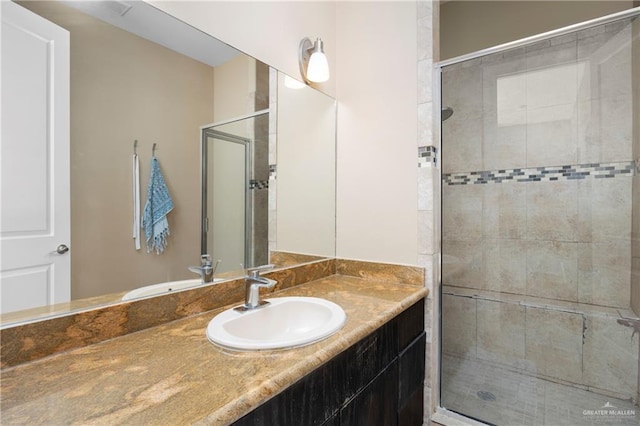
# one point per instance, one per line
(206, 268)
(253, 282)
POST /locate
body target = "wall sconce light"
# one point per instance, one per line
(313, 62)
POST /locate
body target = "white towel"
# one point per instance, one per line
(136, 201)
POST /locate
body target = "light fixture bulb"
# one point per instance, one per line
(318, 69)
(314, 66)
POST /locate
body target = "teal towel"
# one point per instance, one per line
(159, 204)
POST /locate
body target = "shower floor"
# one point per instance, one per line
(498, 396)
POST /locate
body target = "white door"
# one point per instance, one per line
(34, 161)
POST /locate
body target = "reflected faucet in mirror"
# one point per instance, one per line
(206, 268)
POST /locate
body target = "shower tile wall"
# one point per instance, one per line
(260, 189)
(537, 210)
(273, 131)
(428, 178)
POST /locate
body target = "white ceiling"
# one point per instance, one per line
(146, 21)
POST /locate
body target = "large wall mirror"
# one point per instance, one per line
(138, 74)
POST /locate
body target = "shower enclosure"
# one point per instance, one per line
(540, 224)
(235, 185)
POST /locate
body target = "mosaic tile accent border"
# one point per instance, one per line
(543, 174)
(258, 184)
(427, 155)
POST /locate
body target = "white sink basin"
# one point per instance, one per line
(155, 289)
(285, 323)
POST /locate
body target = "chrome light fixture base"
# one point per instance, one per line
(304, 54)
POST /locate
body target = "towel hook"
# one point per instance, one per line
(153, 149)
(135, 147)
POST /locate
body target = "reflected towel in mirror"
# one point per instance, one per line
(158, 205)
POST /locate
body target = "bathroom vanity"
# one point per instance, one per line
(377, 381)
(171, 374)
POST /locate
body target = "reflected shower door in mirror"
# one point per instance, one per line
(235, 185)
(129, 82)
(282, 166)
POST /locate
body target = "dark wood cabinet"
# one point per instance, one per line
(377, 381)
(376, 404)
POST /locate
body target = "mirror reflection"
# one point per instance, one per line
(128, 85)
(235, 192)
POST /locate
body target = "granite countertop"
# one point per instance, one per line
(278, 259)
(171, 374)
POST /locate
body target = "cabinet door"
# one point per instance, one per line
(308, 402)
(376, 404)
(367, 358)
(333, 421)
(411, 364)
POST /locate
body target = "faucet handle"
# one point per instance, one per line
(205, 260)
(254, 272)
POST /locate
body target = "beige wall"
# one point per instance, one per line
(234, 85)
(467, 26)
(172, 111)
(148, 100)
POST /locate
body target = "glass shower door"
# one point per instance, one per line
(540, 206)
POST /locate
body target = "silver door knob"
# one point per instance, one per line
(62, 249)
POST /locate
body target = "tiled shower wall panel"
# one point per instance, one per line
(428, 192)
(563, 240)
(260, 181)
(273, 131)
(564, 101)
(594, 349)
